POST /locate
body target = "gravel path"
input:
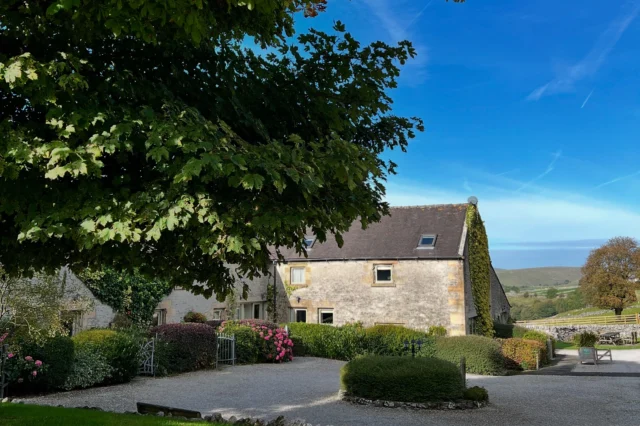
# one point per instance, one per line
(307, 388)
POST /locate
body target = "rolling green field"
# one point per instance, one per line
(540, 277)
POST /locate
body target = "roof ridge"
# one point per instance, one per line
(429, 206)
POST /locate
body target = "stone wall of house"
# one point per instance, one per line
(500, 308)
(180, 302)
(565, 333)
(97, 315)
(423, 293)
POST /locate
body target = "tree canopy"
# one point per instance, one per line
(611, 274)
(140, 135)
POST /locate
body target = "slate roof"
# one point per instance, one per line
(396, 236)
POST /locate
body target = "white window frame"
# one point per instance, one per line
(383, 267)
(253, 310)
(323, 311)
(295, 314)
(427, 246)
(217, 314)
(304, 275)
(162, 316)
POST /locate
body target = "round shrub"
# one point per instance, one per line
(186, 347)
(90, 367)
(521, 353)
(195, 317)
(403, 379)
(120, 349)
(389, 340)
(482, 354)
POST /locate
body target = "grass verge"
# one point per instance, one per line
(26, 414)
(569, 345)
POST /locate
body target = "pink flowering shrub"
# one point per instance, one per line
(267, 339)
(20, 369)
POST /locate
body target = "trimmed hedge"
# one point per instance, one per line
(186, 347)
(521, 353)
(120, 349)
(326, 341)
(541, 337)
(90, 367)
(247, 349)
(252, 323)
(402, 379)
(482, 354)
(214, 323)
(389, 340)
(507, 331)
(268, 342)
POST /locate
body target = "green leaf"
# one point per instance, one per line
(252, 181)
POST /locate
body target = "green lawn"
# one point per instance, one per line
(27, 415)
(635, 309)
(568, 345)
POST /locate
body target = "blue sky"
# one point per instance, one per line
(533, 107)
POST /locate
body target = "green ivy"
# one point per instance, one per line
(130, 294)
(479, 268)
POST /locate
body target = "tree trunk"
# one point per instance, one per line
(618, 311)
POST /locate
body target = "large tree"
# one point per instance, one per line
(612, 274)
(140, 135)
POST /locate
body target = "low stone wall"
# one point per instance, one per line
(444, 405)
(566, 332)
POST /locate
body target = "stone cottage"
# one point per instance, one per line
(411, 269)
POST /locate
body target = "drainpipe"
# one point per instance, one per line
(275, 298)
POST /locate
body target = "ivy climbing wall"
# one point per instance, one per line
(480, 270)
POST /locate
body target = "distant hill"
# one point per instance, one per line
(539, 277)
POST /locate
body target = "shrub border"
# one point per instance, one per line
(440, 405)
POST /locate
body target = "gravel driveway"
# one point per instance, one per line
(307, 388)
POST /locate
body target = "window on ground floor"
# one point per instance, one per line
(383, 274)
(325, 316)
(159, 317)
(216, 314)
(257, 311)
(71, 321)
(299, 315)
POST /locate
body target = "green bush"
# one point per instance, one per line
(586, 339)
(186, 347)
(507, 331)
(298, 347)
(541, 337)
(389, 340)
(120, 349)
(195, 317)
(402, 379)
(327, 341)
(476, 393)
(90, 367)
(521, 353)
(247, 345)
(482, 354)
(437, 331)
(57, 354)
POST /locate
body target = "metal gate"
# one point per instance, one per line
(226, 349)
(147, 357)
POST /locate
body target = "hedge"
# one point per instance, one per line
(507, 331)
(120, 349)
(195, 317)
(402, 379)
(186, 347)
(389, 340)
(326, 341)
(541, 337)
(90, 367)
(482, 354)
(259, 340)
(521, 353)
(247, 350)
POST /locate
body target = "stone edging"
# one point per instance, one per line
(444, 405)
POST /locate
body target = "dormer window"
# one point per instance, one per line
(309, 240)
(427, 241)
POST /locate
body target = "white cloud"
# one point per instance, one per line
(590, 64)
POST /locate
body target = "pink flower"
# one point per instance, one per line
(266, 338)
(10, 355)
(34, 373)
(28, 358)
(38, 363)
(4, 336)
